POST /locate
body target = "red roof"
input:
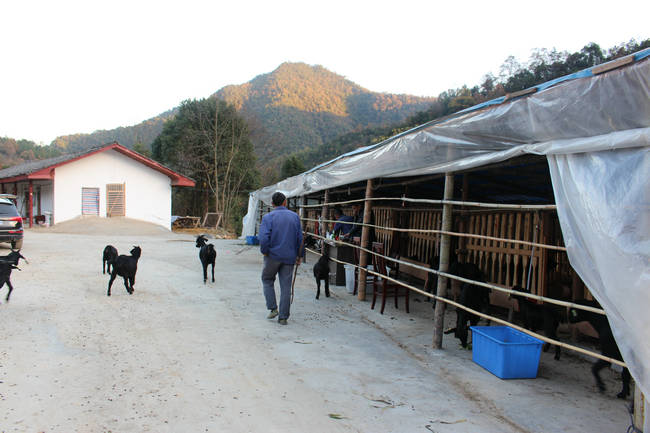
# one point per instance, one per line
(45, 168)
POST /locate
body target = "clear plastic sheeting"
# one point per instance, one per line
(595, 132)
(603, 203)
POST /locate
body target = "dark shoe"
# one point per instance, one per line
(282, 321)
(273, 314)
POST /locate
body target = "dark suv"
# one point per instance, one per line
(11, 223)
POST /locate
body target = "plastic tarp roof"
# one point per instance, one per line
(595, 133)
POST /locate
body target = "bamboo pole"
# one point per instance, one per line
(453, 202)
(445, 245)
(464, 235)
(365, 235)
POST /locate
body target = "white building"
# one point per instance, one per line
(105, 181)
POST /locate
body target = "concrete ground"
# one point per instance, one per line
(181, 356)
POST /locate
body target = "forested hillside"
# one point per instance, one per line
(14, 151)
(144, 133)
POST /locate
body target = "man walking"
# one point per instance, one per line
(280, 240)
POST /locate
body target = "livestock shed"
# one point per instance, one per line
(545, 185)
(105, 181)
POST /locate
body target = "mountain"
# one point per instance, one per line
(294, 108)
(298, 107)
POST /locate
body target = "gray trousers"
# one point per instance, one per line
(285, 273)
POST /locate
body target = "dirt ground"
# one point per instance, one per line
(181, 356)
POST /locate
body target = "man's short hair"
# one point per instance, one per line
(338, 211)
(278, 198)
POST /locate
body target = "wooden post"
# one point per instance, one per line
(31, 204)
(365, 237)
(639, 407)
(445, 244)
(462, 227)
(325, 213)
(301, 213)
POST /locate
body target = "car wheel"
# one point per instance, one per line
(16, 245)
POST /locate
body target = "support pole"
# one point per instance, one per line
(445, 245)
(325, 213)
(31, 204)
(365, 238)
(639, 407)
(462, 226)
(303, 224)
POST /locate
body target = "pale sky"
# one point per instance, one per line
(78, 66)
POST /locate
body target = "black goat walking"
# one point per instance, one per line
(539, 316)
(322, 271)
(125, 267)
(7, 264)
(108, 257)
(608, 345)
(207, 255)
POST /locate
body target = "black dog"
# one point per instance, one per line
(125, 267)
(322, 272)
(7, 263)
(109, 256)
(207, 255)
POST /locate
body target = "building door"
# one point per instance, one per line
(115, 203)
(90, 201)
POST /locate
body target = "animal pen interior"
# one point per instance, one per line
(521, 182)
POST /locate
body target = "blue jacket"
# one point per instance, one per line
(281, 235)
(341, 226)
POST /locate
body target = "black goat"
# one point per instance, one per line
(207, 255)
(109, 256)
(7, 264)
(472, 296)
(125, 267)
(539, 316)
(322, 271)
(608, 345)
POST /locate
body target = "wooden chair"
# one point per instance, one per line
(386, 287)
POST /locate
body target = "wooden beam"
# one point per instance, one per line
(514, 95)
(613, 64)
(365, 237)
(324, 216)
(445, 246)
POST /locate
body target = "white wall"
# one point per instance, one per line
(147, 191)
